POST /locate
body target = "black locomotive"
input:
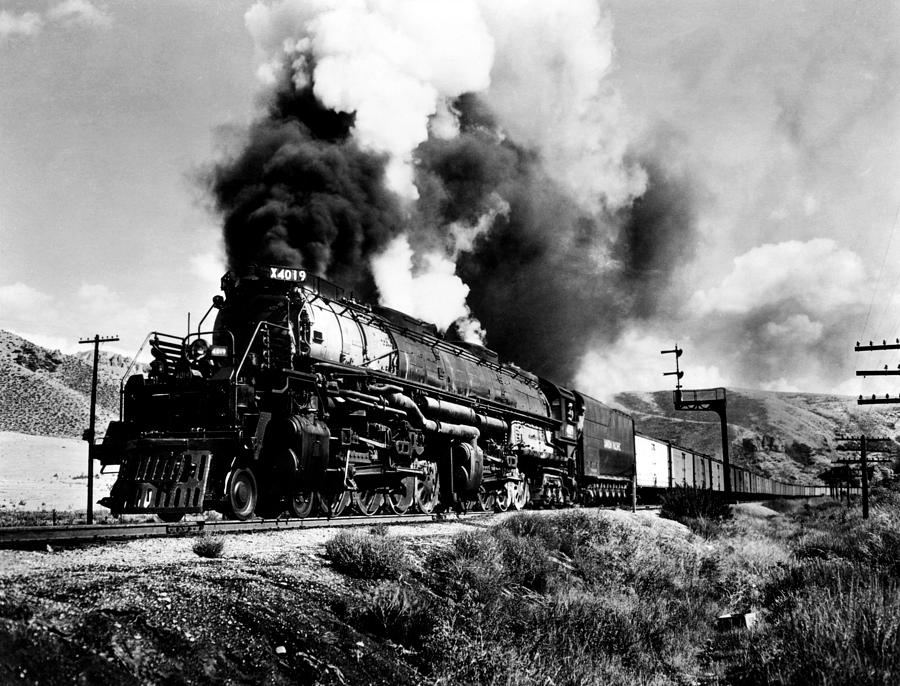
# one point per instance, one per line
(301, 398)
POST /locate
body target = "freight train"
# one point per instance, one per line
(301, 399)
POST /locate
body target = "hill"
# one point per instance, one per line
(780, 434)
(48, 393)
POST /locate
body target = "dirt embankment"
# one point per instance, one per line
(152, 612)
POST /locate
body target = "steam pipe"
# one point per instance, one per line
(417, 419)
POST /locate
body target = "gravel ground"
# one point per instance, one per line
(153, 612)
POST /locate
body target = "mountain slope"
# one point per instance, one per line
(48, 393)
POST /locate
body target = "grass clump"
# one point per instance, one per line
(368, 556)
(208, 545)
(586, 597)
(393, 610)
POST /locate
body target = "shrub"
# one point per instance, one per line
(396, 612)
(469, 569)
(366, 556)
(208, 545)
(525, 561)
(684, 503)
(844, 633)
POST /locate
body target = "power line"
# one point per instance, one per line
(880, 272)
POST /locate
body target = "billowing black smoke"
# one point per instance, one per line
(302, 193)
(548, 280)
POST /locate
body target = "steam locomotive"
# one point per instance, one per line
(302, 399)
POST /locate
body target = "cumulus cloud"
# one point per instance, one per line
(634, 363)
(817, 274)
(57, 322)
(69, 13)
(25, 24)
(22, 304)
(79, 13)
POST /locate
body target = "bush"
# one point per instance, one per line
(842, 629)
(368, 557)
(396, 612)
(685, 503)
(208, 545)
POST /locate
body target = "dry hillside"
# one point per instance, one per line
(47, 393)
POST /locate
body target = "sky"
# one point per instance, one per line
(780, 122)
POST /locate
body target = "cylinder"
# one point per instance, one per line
(454, 412)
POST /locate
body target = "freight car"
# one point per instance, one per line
(300, 399)
(660, 465)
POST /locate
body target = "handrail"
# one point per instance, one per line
(236, 374)
(131, 366)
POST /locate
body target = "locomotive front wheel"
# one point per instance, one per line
(401, 500)
(269, 508)
(302, 504)
(368, 502)
(333, 504)
(241, 492)
(521, 495)
(427, 489)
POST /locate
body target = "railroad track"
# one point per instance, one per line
(29, 537)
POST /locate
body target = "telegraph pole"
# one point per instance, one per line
(89, 434)
(860, 444)
(703, 400)
(878, 372)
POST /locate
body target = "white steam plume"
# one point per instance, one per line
(428, 288)
(394, 63)
(549, 88)
(433, 292)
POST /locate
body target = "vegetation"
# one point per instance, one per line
(371, 555)
(585, 597)
(208, 545)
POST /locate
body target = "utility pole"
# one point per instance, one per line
(878, 372)
(703, 400)
(860, 444)
(89, 434)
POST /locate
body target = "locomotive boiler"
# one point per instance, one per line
(300, 398)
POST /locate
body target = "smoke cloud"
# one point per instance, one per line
(466, 162)
(302, 192)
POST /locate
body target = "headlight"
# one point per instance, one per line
(198, 350)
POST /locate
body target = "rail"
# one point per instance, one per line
(81, 534)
